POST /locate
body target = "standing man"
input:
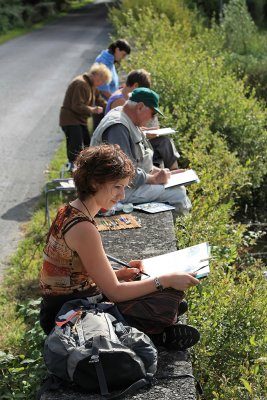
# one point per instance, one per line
(82, 99)
(122, 126)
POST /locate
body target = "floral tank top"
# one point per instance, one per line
(63, 272)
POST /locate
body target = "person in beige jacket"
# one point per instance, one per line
(82, 99)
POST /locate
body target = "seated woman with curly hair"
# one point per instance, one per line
(76, 266)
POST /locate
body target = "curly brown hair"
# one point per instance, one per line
(100, 164)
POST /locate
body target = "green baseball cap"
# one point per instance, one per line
(146, 96)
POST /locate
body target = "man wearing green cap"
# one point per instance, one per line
(122, 126)
(148, 97)
(164, 150)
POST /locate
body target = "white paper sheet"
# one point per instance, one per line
(189, 259)
(182, 178)
(160, 131)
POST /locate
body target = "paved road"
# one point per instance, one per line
(34, 72)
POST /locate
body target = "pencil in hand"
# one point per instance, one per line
(111, 258)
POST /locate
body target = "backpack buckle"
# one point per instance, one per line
(94, 359)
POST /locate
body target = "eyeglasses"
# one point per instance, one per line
(153, 112)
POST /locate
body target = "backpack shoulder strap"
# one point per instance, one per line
(102, 379)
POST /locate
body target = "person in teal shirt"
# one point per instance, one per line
(116, 52)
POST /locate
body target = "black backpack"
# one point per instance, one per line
(93, 347)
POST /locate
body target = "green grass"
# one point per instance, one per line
(25, 264)
(21, 337)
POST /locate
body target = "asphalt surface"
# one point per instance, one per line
(35, 70)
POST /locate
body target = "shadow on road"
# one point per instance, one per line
(22, 212)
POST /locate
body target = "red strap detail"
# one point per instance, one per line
(61, 323)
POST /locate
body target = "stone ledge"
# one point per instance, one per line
(155, 237)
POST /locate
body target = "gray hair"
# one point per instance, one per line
(131, 103)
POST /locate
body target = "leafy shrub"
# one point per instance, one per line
(43, 10)
(16, 14)
(221, 132)
(221, 175)
(238, 36)
(21, 373)
(211, 8)
(229, 310)
(174, 10)
(10, 15)
(21, 14)
(197, 89)
(245, 46)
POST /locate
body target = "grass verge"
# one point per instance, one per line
(20, 281)
(21, 338)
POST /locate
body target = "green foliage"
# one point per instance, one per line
(10, 15)
(197, 91)
(238, 27)
(221, 177)
(211, 8)
(242, 45)
(229, 310)
(175, 11)
(221, 133)
(21, 373)
(21, 337)
(26, 13)
(245, 46)
(18, 14)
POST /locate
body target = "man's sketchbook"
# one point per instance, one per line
(182, 178)
(160, 131)
(190, 259)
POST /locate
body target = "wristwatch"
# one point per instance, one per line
(158, 284)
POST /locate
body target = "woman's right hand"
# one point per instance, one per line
(179, 280)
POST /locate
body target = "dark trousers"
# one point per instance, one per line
(96, 120)
(77, 138)
(150, 314)
(164, 150)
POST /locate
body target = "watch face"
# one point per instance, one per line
(158, 285)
